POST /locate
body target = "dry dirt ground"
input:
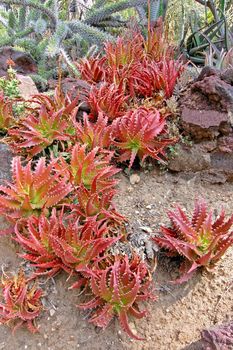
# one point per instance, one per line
(180, 313)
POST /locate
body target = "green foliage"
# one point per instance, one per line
(198, 27)
(10, 85)
(44, 31)
(97, 15)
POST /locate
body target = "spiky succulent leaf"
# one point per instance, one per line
(35, 237)
(92, 69)
(136, 134)
(108, 99)
(32, 190)
(94, 134)
(21, 302)
(200, 240)
(91, 169)
(118, 285)
(81, 245)
(35, 133)
(96, 206)
(155, 77)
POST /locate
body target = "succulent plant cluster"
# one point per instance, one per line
(200, 240)
(60, 199)
(21, 301)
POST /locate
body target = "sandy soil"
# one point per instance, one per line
(181, 312)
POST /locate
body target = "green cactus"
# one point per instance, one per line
(44, 20)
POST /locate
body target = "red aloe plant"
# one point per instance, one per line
(123, 52)
(92, 169)
(81, 245)
(6, 113)
(109, 99)
(22, 302)
(200, 240)
(154, 77)
(95, 134)
(35, 133)
(34, 236)
(58, 103)
(32, 190)
(92, 69)
(156, 46)
(118, 285)
(96, 206)
(59, 242)
(136, 134)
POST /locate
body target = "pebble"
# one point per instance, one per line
(146, 229)
(134, 179)
(52, 312)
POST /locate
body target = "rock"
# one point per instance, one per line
(146, 229)
(134, 179)
(24, 63)
(218, 337)
(52, 312)
(27, 87)
(227, 75)
(207, 105)
(217, 90)
(5, 161)
(225, 144)
(190, 159)
(222, 162)
(208, 71)
(204, 124)
(214, 177)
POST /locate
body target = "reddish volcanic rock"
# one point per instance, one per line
(225, 144)
(204, 124)
(219, 337)
(207, 105)
(24, 63)
(193, 159)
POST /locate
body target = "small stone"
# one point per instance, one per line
(25, 346)
(130, 189)
(134, 179)
(146, 229)
(45, 336)
(39, 344)
(51, 312)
